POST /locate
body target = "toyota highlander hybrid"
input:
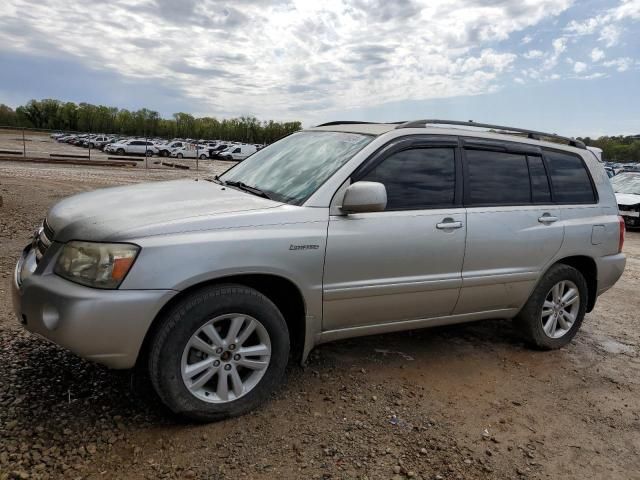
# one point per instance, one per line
(337, 231)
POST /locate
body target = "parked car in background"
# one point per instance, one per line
(164, 150)
(627, 189)
(237, 152)
(191, 151)
(96, 142)
(337, 231)
(132, 147)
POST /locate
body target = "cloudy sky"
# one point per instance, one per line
(572, 66)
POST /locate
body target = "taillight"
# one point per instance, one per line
(622, 230)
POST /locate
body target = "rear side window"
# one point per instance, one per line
(497, 178)
(417, 178)
(569, 177)
(540, 191)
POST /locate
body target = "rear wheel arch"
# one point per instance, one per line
(281, 291)
(589, 270)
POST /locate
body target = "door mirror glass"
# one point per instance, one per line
(362, 197)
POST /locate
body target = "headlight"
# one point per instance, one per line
(98, 265)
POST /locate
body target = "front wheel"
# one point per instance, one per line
(553, 314)
(179, 155)
(203, 157)
(220, 352)
(120, 151)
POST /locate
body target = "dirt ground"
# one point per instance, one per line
(38, 144)
(463, 402)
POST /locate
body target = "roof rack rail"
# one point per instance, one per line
(346, 122)
(357, 122)
(530, 133)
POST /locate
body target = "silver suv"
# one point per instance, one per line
(341, 230)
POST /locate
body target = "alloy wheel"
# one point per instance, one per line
(226, 358)
(560, 309)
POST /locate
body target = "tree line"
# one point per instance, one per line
(84, 117)
(618, 148)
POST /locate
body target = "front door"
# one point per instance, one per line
(403, 263)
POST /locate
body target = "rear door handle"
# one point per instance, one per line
(448, 225)
(546, 218)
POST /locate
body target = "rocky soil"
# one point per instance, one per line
(463, 402)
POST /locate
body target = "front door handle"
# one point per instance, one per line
(546, 218)
(448, 224)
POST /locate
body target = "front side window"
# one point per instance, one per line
(569, 177)
(417, 178)
(292, 169)
(497, 178)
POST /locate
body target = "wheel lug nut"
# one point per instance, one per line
(216, 363)
(232, 347)
(227, 367)
(236, 357)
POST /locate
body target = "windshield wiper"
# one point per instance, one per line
(246, 188)
(215, 179)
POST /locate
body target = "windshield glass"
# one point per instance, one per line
(291, 169)
(626, 183)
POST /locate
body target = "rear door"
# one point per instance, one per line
(513, 227)
(403, 263)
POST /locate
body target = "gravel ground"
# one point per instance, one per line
(462, 402)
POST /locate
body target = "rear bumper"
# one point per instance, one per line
(105, 326)
(610, 269)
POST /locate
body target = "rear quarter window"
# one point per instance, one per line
(569, 178)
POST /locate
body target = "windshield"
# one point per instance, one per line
(291, 169)
(626, 183)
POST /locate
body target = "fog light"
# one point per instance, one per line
(50, 317)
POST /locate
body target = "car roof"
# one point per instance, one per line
(468, 129)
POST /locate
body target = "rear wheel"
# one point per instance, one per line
(219, 352)
(554, 312)
(203, 156)
(179, 155)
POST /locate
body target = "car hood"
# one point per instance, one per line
(627, 198)
(154, 208)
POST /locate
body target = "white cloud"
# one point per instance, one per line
(533, 54)
(597, 55)
(526, 39)
(610, 35)
(579, 67)
(607, 24)
(620, 64)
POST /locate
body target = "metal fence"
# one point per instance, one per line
(39, 145)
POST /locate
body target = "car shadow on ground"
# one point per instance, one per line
(55, 383)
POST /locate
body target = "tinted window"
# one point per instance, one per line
(571, 183)
(497, 178)
(417, 178)
(237, 150)
(540, 192)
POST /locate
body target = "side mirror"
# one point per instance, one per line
(362, 197)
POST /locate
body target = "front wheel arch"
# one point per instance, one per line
(284, 293)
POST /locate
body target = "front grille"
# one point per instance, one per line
(42, 240)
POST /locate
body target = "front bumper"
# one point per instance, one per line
(106, 326)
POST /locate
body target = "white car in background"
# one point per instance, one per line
(165, 149)
(134, 147)
(238, 152)
(191, 151)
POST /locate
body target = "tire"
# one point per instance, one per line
(172, 352)
(120, 151)
(537, 330)
(203, 157)
(91, 145)
(149, 153)
(179, 155)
